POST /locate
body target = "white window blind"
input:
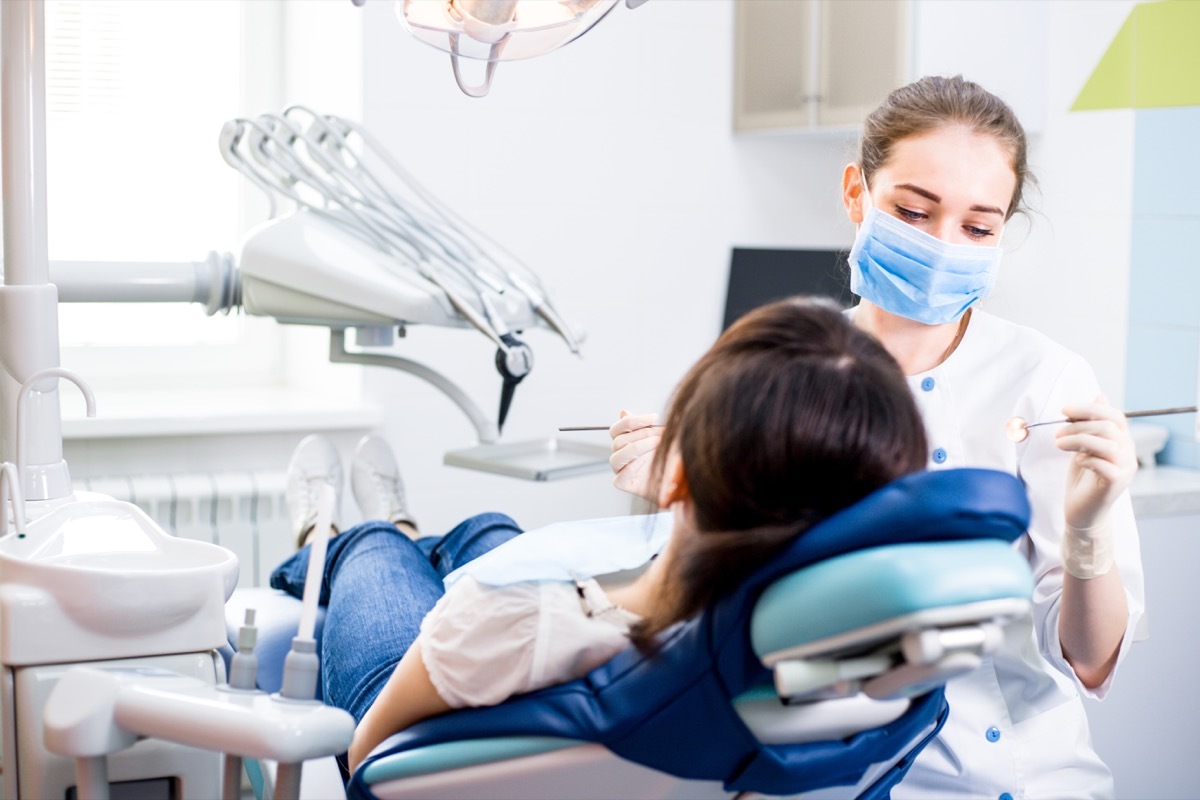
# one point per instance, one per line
(137, 92)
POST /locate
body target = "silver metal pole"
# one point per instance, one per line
(22, 26)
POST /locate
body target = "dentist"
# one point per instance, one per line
(941, 169)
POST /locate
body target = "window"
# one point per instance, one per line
(136, 94)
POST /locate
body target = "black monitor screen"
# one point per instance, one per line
(758, 276)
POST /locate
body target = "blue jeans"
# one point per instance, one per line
(378, 585)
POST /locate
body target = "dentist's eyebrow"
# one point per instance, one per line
(928, 195)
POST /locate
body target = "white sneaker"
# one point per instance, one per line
(376, 482)
(315, 463)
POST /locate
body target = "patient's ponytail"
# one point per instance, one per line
(792, 415)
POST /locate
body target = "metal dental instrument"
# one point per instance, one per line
(288, 160)
(600, 427)
(480, 250)
(1017, 429)
(320, 163)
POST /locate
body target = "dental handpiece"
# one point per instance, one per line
(1017, 429)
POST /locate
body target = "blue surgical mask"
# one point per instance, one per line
(909, 273)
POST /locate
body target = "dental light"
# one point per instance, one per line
(499, 30)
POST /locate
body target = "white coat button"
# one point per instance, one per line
(993, 734)
(939, 456)
(928, 384)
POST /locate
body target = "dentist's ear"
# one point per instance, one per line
(674, 487)
(852, 193)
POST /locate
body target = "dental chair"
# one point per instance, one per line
(822, 675)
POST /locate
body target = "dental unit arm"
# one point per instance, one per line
(368, 247)
(362, 248)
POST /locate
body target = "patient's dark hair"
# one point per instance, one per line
(792, 415)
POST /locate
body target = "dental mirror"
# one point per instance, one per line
(1017, 429)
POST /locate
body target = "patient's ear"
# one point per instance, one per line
(673, 488)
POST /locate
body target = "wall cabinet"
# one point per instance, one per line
(816, 64)
(822, 65)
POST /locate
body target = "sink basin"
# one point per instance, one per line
(96, 578)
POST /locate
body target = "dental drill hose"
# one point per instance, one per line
(301, 667)
(243, 667)
(243, 677)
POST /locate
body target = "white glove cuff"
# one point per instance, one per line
(1088, 552)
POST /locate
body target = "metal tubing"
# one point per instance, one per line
(23, 109)
(50, 478)
(485, 430)
(287, 781)
(91, 776)
(117, 282)
(231, 787)
(30, 333)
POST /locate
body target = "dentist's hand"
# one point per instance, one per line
(633, 444)
(1101, 470)
(1104, 462)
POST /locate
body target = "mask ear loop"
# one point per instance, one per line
(867, 202)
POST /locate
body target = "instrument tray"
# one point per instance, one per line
(534, 460)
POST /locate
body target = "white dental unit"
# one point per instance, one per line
(96, 597)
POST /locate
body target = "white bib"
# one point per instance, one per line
(567, 551)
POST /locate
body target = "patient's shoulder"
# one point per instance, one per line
(482, 644)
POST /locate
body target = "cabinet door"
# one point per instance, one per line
(775, 66)
(864, 56)
(811, 64)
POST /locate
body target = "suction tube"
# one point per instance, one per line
(301, 666)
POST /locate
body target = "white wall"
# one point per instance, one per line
(1143, 728)
(606, 166)
(1070, 276)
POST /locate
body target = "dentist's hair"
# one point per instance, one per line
(792, 415)
(935, 102)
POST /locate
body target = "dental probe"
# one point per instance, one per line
(1017, 429)
(601, 427)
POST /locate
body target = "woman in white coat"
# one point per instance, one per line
(941, 169)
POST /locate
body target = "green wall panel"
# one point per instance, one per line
(1153, 62)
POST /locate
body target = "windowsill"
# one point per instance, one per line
(223, 410)
(1166, 491)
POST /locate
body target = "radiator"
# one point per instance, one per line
(242, 511)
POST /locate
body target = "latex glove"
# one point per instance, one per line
(1103, 468)
(633, 444)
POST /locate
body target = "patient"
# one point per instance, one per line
(792, 415)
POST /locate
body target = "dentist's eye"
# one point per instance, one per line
(977, 233)
(909, 215)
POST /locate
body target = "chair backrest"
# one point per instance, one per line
(675, 711)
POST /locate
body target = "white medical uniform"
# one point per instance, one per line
(1017, 727)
